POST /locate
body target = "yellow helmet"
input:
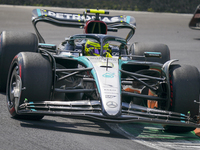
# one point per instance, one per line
(93, 49)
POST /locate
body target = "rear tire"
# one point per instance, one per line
(11, 43)
(184, 82)
(140, 48)
(30, 79)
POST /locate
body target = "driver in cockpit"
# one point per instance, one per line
(93, 49)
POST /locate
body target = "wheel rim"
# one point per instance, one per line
(14, 89)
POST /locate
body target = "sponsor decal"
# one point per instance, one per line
(95, 58)
(111, 104)
(80, 16)
(107, 85)
(104, 64)
(108, 75)
(102, 59)
(110, 90)
(115, 54)
(110, 96)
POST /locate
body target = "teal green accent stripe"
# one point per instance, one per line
(96, 79)
(121, 62)
(154, 52)
(47, 44)
(32, 106)
(88, 64)
(39, 12)
(85, 61)
(120, 67)
(33, 110)
(31, 103)
(128, 19)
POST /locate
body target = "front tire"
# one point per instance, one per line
(30, 80)
(11, 43)
(184, 83)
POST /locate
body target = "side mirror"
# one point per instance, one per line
(153, 54)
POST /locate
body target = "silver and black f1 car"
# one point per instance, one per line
(95, 75)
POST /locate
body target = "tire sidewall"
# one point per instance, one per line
(17, 61)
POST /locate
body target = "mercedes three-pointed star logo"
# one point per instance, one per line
(111, 104)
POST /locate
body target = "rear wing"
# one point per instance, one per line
(195, 21)
(78, 20)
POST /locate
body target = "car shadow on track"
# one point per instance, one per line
(60, 124)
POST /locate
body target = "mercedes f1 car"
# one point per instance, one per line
(96, 75)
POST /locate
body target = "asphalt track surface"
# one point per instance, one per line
(64, 133)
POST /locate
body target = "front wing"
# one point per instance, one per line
(92, 110)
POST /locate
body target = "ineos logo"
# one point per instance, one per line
(110, 96)
(111, 104)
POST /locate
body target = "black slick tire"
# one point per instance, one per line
(30, 79)
(11, 43)
(184, 83)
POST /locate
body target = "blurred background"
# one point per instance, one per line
(173, 6)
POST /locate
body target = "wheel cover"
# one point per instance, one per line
(14, 89)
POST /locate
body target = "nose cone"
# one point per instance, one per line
(107, 72)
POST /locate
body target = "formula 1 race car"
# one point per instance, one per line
(96, 75)
(195, 21)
